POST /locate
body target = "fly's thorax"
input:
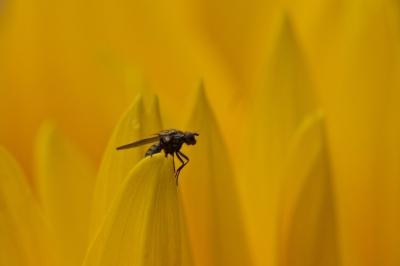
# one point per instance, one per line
(175, 145)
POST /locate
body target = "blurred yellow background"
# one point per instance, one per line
(82, 63)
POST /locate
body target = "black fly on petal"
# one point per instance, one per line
(171, 142)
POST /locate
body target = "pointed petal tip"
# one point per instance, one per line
(48, 126)
(138, 98)
(284, 43)
(115, 164)
(285, 92)
(3, 151)
(138, 106)
(47, 134)
(143, 220)
(154, 108)
(135, 124)
(201, 93)
(201, 108)
(21, 219)
(209, 171)
(153, 119)
(155, 101)
(7, 160)
(63, 170)
(308, 199)
(200, 83)
(315, 119)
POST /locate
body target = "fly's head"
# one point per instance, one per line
(190, 138)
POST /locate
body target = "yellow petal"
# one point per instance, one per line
(65, 181)
(360, 94)
(49, 64)
(210, 195)
(25, 237)
(142, 226)
(134, 125)
(187, 253)
(308, 227)
(238, 32)
(282, 102)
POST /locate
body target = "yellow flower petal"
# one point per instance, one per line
(50, 63)
(361, 97)
(65, 181)
(187, 253)
(210, 195)
(25, 238)
(282, 102)
(308, 224)
(238, 32)
(142, 226)
(134, 125)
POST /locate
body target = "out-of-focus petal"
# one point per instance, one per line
(65, 181)
(282, 101)
(360, 92)
(187, 251)
(309, 235)
(142, 226)
(162, 41)
(51, 62)
(24, 236)
(210, 196)
(134, 125)
(238, 31)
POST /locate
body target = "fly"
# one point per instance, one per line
(170, 141)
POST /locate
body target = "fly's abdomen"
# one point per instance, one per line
(156, 148)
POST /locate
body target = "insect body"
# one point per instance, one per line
(171, 142)
(156, 148)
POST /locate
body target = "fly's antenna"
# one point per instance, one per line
(196, 133)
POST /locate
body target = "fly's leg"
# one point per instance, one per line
(173, 162)
(177, 173)
(183, 164)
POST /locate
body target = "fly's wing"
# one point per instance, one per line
(139, 143)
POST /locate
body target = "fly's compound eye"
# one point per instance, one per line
(189, 138)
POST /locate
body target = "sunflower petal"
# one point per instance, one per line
(65, 181)
(360, 92)
(142, 226)
(25, 238)
(308, 216)
(210, 195)
(283, 100)
(134, 125)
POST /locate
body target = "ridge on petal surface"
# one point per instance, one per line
(25, 236)
(209, 194)
(64, 181)
(143, 225)
(134, 125)
(308, 221)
